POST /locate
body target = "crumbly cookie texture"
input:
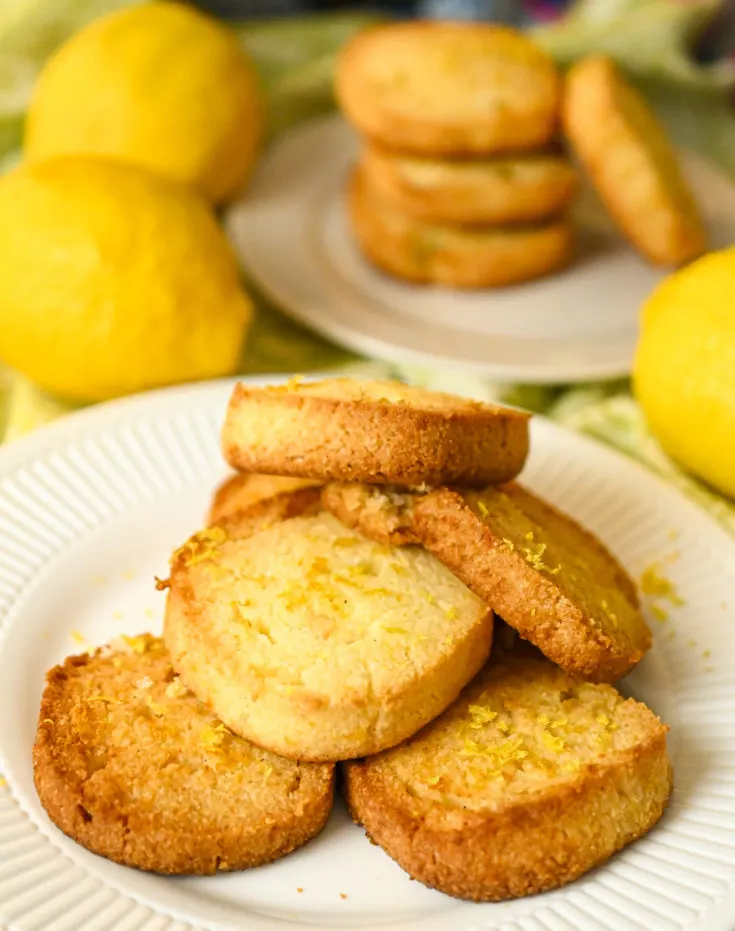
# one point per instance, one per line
(632, 163)
(458, 257)
(449, 88)
(314, 642)
(532, 778)
(381, 512)
(476, 192)
(374, 431)
(544, 574)
(129, 764)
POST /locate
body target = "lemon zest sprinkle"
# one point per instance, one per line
(176, 688)
(534, 557)
(607, 723)
(201, 547)
(138, 645)
(656, 585)
(661, 614)
(156, 708)
(481, 715)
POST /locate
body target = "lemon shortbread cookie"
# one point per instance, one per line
(313, 641)
(490, 191)
(448, 88)
(129, 764)
(381, 512)
(544, 574)
(242, 490)
(458, 257)
(373, 431)
(632, 163)
(529, 780)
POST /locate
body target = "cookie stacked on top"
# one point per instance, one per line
(462, 180)
(340, 609)
(459, 182)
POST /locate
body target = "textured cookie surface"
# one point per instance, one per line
(383, 513)
(488, 191)
(631, 163)
(315, 642)
(129, 764)
(529, 780)
(448, 88)
(373, 431)
(244, 489)
(459, 257)
(543, 573)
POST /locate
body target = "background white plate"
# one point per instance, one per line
(90, 509)
(292, 235)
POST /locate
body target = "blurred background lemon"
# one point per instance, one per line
(114, 280)
(684, 375)
(161, 85)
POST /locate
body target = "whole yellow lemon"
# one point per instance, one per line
(160, 85)
(684, 371)
(113, 280)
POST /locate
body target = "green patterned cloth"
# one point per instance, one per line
(649, 38)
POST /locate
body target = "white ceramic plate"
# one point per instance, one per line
(90, 509)
(293, 238)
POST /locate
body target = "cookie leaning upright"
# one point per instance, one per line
(529, 780)
(129, 764)
(372, 431)
(313, 641)
(631, 163)
(544, 574)
(448, 88)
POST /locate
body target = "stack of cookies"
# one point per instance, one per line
(342, 607)
(461, 181)
(458, 182)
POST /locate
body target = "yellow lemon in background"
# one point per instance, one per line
(113, 280)
(684, 372)
(160, 85)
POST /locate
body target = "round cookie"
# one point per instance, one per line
(528, 781)
(456, 257)
(631, 163)
(242, 490)
(448, 88)
(544, 574)
(129, 764)
(374, 431)
(311, 640)
(493, 191)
